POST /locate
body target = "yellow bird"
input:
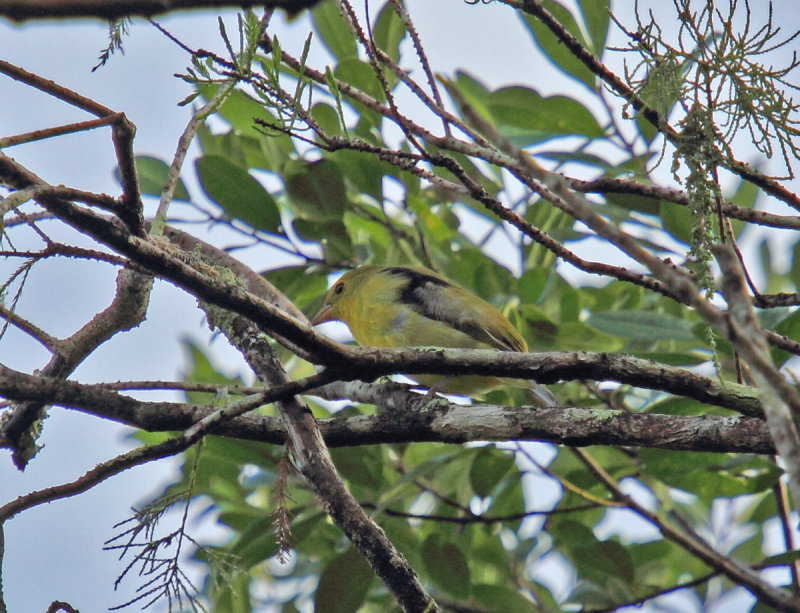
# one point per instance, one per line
(402, 306)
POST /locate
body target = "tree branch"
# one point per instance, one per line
(735, 571)
(213, 419)
(315, 463)
(403, 420)
(122, 132)
(535, 8)
(780, 400)
(611, 185)
(127, 310)
(21, 10)
(201, 280)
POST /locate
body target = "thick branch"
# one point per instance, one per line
(315, 463)
(205, 283)
(127, 310)
(401, 422)
(611, 185)
(141, 455)
(21, 10)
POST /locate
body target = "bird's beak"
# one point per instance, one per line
(323, 315)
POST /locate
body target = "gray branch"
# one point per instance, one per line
(22, 10)
(407, 417)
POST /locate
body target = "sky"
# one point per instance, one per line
(43, 544)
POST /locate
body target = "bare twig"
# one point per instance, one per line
(28, 137)
(49, 342)
(130, 210)
(186, 138)
(610, 185)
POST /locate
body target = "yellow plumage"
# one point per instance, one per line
(400, 306)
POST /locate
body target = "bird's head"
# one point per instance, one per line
(343, 293)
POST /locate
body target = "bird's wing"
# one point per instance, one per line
(436, 298)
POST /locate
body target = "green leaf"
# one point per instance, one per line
(578, 542)
(507, 498)
(364, 171)
(615, 296)
(314, 528)
(642, 325)
(360, 75)
(526, 116)
(787, 557)
(255, 542)
(499, 598)
(616, 561)
(380, 244)
(231, 595)
(710, 475)
(554, 49)
(152, 174)
(446, 566)
(327, 118)
(360, 466)
(316, 189)
(677, 220)
(596, 16)
(389, 32)
(636, 202)
(555, 222)
(261, 152)
(344, 584)
(473, 92)
(301, 285)
(579, 336)
(488, 469)
(241, 111)
(238, 193)
(247, 139)
(789, 327)
(333, 30)
(331, 235)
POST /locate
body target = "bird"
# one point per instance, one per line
(412, 306)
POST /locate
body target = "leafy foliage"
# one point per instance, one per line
(306, 162)
(471, 521)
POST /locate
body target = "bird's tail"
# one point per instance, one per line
(541, 396)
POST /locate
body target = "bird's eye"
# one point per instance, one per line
(338, 289)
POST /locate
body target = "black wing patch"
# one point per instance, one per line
(424, 293)
(413, 292)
